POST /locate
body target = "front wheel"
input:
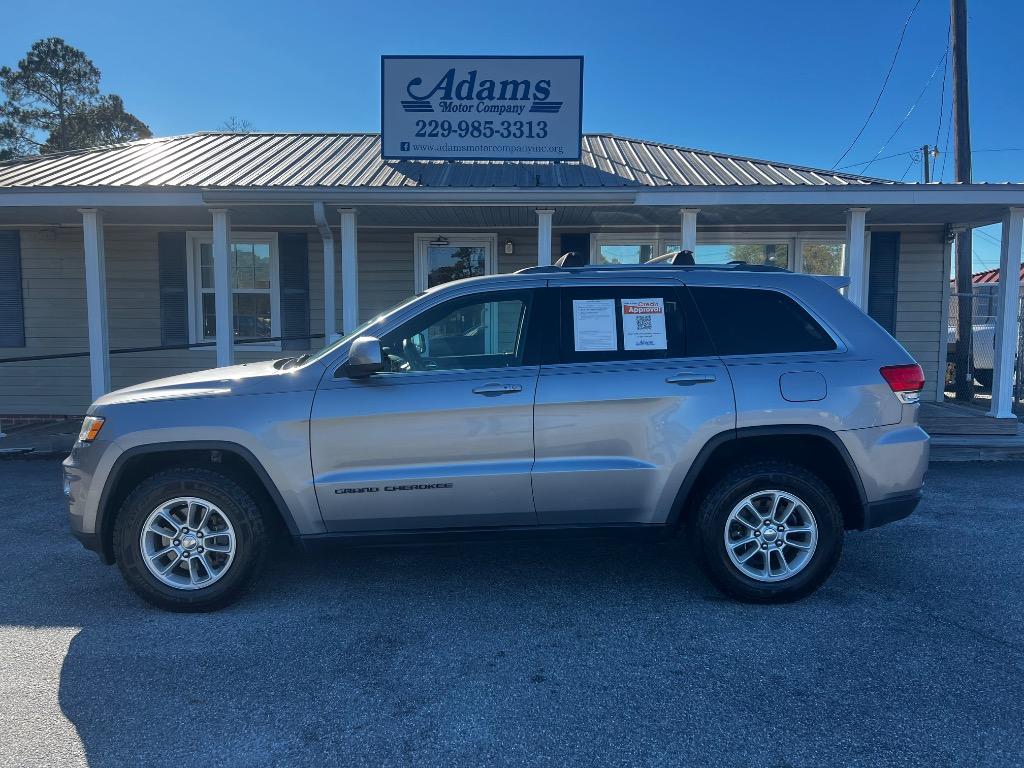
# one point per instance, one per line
(190, 539)
(768, 532)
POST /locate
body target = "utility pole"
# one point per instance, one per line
(927, 168)
(964, 384)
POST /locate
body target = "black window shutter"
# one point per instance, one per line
(293, 273)
(12, 306)
(173, 271)
(576, 243)
(883, 278)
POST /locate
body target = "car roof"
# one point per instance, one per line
(736, 273)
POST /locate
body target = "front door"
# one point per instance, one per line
(633, 396)
(443, 258)
(445, 438)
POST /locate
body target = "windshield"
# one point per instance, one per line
(359, 330)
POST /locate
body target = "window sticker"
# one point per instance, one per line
(643, 324)
(593, 323)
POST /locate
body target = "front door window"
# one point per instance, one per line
(469, 332)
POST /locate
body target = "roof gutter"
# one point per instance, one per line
(447, 196)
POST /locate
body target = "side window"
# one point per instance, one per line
(603, 323)
(752, 321)
(479, 331)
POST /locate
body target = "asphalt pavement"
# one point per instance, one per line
(587, 653)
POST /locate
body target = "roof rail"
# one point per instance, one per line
(539, 270)
(732, 266)
(675, 258)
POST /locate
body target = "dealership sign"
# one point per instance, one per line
(481, 107)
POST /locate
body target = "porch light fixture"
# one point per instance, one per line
(508, 248)
(439, 241)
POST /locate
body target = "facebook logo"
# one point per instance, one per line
(405, 146)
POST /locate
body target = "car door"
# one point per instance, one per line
(621, 414)
(444, 439)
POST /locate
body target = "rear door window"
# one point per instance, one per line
(602, 323)
(754, 321)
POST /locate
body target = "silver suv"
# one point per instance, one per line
(756, 411)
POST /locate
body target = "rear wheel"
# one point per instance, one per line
(768, 532)
(190, 539)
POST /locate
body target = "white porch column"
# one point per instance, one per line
(1008, 319)
(349, 270)
(223, 301)
(856, 257)
(688, 229)
(544, 236)
(96, 300)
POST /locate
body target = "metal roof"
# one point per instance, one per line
(990, 276)
(316, 160)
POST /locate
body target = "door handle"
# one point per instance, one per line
(689, 379)
(492, 390)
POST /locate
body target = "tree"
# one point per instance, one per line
(238, 125)
(53, 104)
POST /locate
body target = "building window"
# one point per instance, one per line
(254, 288)
(771, 254)
(820, 257)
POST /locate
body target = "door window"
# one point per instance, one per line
(621, 323)
(441, 259)
(470, 332)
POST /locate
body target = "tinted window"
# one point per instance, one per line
(479, 331)
(621, 323)
(747, 321)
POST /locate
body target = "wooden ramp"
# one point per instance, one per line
(955, 419)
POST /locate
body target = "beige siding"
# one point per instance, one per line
(919, 302)
(55, 309)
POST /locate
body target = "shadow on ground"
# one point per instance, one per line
(557, 653)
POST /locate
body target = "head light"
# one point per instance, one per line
(91, 427)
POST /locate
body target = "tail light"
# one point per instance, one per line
(906, 381)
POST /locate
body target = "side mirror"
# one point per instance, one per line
(365, 358)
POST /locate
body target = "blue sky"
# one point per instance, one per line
(791, 80)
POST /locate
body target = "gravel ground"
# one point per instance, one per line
(586, 653)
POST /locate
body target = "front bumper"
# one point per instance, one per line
(890, 510)
(84, 472)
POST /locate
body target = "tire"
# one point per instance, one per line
(211, 577)
(811, 554)
(984, 377)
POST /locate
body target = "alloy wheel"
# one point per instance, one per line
(188, 543)
(771, 535)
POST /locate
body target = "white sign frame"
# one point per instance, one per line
(544, 120)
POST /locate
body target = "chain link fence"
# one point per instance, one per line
(983, 320)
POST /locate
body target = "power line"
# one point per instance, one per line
(981, 261)
(987, 236)
(885, 82)
(913, 159)
(879, 159)
(942, 92)
(945, 147)
(945, 57)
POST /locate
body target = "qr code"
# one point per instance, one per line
(643, 323)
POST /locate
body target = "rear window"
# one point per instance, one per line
(751, 321)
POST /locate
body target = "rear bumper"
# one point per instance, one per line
(890, 510)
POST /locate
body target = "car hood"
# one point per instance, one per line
(246, 379)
